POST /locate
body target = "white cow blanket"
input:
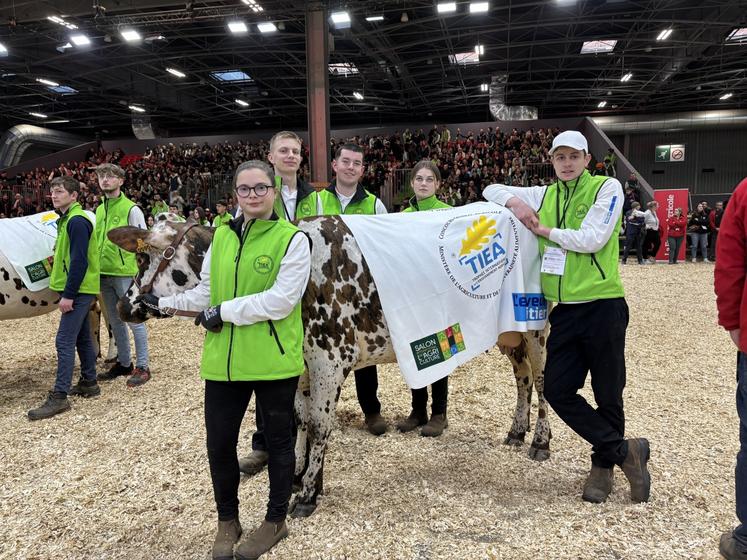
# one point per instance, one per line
(450, 281)
(28, 243)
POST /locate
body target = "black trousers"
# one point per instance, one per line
(366, 386)
(590, 338)
(633, 238)
(651, 243)
(225, 405)
(439, 395)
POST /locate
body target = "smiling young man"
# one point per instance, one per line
(296, 199)
(346, 196)
(576, 220)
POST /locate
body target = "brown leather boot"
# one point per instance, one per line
(636, 469)
(416, 418)
(254, 462)
(228, 535)
(435, 426)
(375, 424)
(598, 485)
(261, 540)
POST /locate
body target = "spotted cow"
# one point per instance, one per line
(345, 329)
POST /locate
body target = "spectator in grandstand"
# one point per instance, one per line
(150, 221)
(714, 221)
(346, 196)
(634, 223)
(632, 184)
(730, 286)
(198, 214)
(16, 208)
(159, 205)
(75, 275)
(676, 226)
(651, 237)
(425, 182)
(698, 228)
(5, 205)
(598, 169)
(222, 216)
(610, 163)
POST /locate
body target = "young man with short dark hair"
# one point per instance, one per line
(75, 275)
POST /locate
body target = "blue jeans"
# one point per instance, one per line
(699, 239)
(112, 289)
(75, 332)
(740, 533)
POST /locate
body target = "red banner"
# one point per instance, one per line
(668, 200)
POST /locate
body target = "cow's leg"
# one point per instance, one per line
(326, 384)
(540, 448)
(111, 354)
(523, 374)
(302, 422)
(94, 323)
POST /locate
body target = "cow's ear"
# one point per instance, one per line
(132, 239)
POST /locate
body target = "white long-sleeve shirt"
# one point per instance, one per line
(596, 228)
(289, 203)
(273, 304)
(379, 208)
(651, 220)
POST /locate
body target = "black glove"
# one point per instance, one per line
(210, 319)
(150, 303)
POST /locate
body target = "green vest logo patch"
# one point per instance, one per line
(115, 220)
(305, 208)
(263, 264)
(581, 211)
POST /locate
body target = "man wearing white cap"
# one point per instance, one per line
(576, 220)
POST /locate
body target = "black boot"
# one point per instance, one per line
(55, 404)
(115, 371)
(84, 388)
(416, 418)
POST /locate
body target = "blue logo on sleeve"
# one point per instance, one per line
(530, 307)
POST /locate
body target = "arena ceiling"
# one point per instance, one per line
(405, 71)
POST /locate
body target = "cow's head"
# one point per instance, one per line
(182, 273)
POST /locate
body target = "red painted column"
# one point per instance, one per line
(317, 90)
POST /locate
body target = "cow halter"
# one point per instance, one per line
(167, 256)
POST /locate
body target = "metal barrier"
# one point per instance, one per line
(542, 170)
(395, 186)
(37, 197)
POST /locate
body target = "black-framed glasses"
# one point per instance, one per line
(260, 190)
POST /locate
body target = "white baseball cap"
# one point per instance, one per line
(570, 139)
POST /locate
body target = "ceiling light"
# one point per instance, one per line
(375, 18)
(446, 7)
(602, 104)
(151, 38)
(130, 35)
(358, 95)
(267, 27)
(80, 40)
(60, 21)
(404, 18)
(175, 72)
(626, 77)
(136, 108)
(242, 102)
(237, 26)
(341, 20)
(726, 96)
(737, 35)
(63, 48)
(47, 82)
(38, 115)
(478, 7)
(483, 87)
(256, 8)
(479, 50)
(664, 35)
(3, 49)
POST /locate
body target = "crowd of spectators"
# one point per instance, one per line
(182, 175)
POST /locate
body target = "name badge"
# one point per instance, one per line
(553, 261)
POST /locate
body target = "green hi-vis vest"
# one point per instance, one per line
(363, 202)
(587, 276)
(113, 213)
(306, 200)
(430, 203)
(221, 220)
(61, 264)
(262, 351)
